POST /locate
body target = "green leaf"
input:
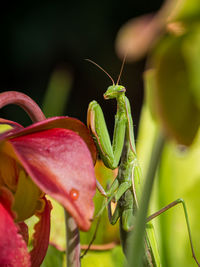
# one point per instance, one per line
(191, 54)
(136, 248)
(179, 176)
(111, 258)
(57, 234)
(176, 104)
(57, 93)
(53, 258)
(149, 86)
(186, 10)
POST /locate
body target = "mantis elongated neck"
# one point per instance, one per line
(121, 105)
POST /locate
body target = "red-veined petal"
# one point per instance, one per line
(59, 162)
(7, 200)
(56, 122)
(23, 230)
(41, 236)
(13, 250)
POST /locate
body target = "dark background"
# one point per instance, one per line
(38, 37)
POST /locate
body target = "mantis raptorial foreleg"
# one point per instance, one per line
(110, 154)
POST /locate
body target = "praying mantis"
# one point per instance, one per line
(126, 189)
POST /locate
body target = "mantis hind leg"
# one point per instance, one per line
(114, 193)
(126, 216)
(126, 213)
(172, 204)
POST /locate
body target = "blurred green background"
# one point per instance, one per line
(39, 37)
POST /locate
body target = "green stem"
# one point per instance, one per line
(136, 248)
(72, 242)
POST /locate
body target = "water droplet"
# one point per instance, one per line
(74, 194)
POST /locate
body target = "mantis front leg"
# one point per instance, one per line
(110, 153)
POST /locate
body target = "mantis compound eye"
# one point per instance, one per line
(123, 90)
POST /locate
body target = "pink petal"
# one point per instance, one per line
(56, 122)
(59, 162)
(13, 250)
(7, 200)
(11, 123)
(23, 230)
(41, 236)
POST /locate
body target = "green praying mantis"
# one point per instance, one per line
(127, 187)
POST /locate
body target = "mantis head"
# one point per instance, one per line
(114, 91)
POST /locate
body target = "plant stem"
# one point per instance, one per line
(25, 102)
(136, 248)
(72, 242)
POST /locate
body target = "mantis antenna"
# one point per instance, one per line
(101, 69)
(122, 67)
